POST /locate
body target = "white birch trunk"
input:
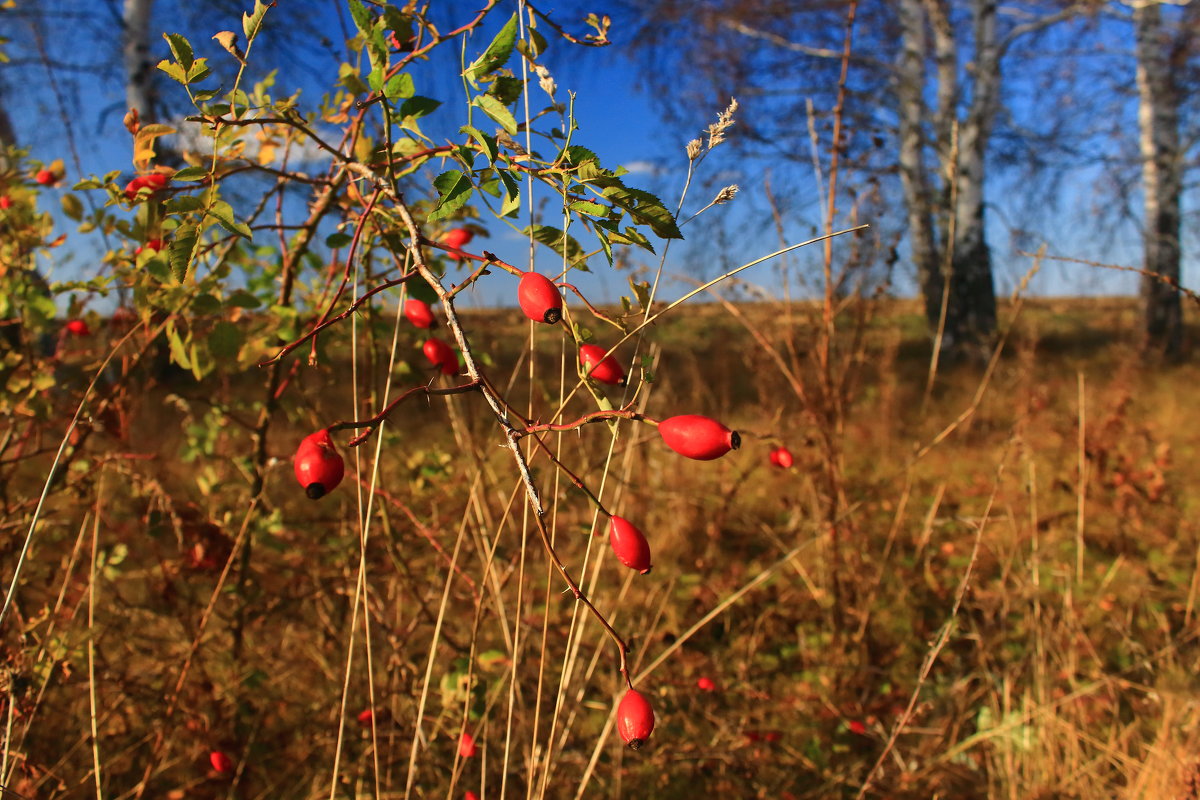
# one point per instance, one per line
(139, 71)
(1158, 123)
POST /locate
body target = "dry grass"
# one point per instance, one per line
(1068, 670)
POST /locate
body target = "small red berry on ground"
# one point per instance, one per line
(857, 727)
(698, 437)
(366, 717)
(706, 684)
(466, 745)
(635, 719)
(220, 762)
(319, 468)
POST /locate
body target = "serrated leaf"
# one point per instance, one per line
(176, 72)
(399, 87)
(454, 189)
(253, 21)
(179, 255)
(605, 244)
(556, 240)
(183, 204)
(497, 111)
(362, 17)
(190, 174)
(511, 205)
(505, 89)
(417, 107)
(223, 213)
(486, 143)
(181, 48)
(497, 53)
(588, 207)
(644, 209)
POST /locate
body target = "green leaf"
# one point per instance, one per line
(181, 48)
(198, 71)
(497, 111)
(532, 47)
(242, 299)
(557, 241)
(183, 204)
(644, 209)
(72, 207)
(506, 89)
(417, 107)
(223, 213)
(335, 240)
(497, 53)
(399, 87)
(179, 255)
(179, 353)
(455, 189)
(203, 304)
(590, 208)
(487, 143)
(253, 21)
(641, 290)
(176, 72)
(191, 174)
(225, 341)
(362, 17)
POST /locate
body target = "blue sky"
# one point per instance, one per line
(617, 119)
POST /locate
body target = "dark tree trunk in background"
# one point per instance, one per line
(1158, 120)
(971, 312)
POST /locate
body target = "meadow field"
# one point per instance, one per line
(980, 585)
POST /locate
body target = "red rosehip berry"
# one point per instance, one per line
(366, 718)
(635, 719)
(319, 467)
(539, 298)
(782, 457)
(153, 245)
(602, 368)
(705, 684)
(629, 544)
(857, 727)
(698, 437)
(441, 355)
(155, 182)
(470, 795)
(5, 202)
(45, 177)
(419, 313)
(456, 239)
(466, 745)
(78, 327)
(222, 763)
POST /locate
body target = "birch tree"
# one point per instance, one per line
(937, 66)
(1161, 52)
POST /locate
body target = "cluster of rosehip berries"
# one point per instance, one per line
(319, 467)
